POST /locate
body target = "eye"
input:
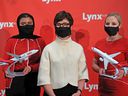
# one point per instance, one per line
(114, 23)
(30, 23)
(107, 23)
(23, 23)
(58, 24)
(66, 24)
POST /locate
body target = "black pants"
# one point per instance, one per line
(17, 87)
(24, 86)
(68, 90)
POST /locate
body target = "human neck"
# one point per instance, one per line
(114, 38)
(65, 38)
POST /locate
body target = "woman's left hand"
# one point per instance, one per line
(121, 74)
(77, 93)
(26, 70)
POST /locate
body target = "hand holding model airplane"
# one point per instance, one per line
(107, 59)
(17, 58)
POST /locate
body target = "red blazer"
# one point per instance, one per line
(20, 46)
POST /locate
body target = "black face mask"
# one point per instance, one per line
(111, 31)
(26, 31)
(63, 31)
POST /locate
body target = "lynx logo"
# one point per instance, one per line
(6, 24)
(2, 92)
(48, 1)
(91, 87)
(89, 17)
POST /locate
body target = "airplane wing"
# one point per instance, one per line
(6, 61)
(3, 63)
(115, 54)
(106, 61)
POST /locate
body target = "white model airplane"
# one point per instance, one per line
(22, 57)
(105, 57)
(17, 58)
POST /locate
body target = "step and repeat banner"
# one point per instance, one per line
(88, 28)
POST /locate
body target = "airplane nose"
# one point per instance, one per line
(35, 51)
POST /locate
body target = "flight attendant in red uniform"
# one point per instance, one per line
(3, 67)
(19, 44)
(112, 44)
(2, 81)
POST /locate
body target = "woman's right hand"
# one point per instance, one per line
(101, 71)
(9, 75)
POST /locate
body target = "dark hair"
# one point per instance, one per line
(24, 15)
(62, 15)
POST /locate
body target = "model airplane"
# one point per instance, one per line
(22, 57)
(17, 58)
(107, 59)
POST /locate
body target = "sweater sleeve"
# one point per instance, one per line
(83, 71)
(44, 69)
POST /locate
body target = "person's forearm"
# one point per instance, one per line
(48, 89)
(80, 88)
(81, 84)
(95, 66)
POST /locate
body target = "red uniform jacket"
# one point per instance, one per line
(2, 81)
(108, 86)
(20, 46)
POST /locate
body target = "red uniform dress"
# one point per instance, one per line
(2, 76)
(20, 46)
(2, 81)
(109, 86)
